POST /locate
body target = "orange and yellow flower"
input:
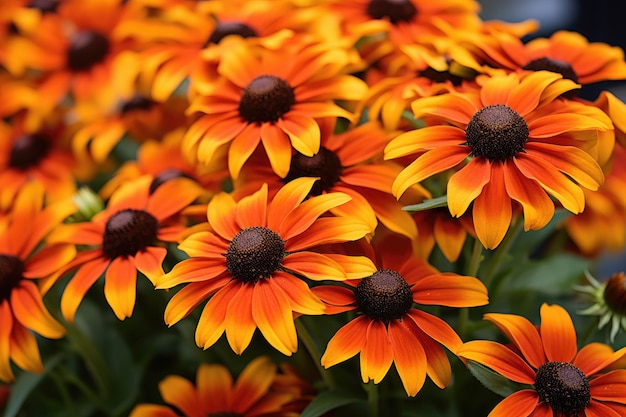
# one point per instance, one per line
(272, 97)
(22, 265)
(389, 328)
(561, 379)
(251, 265)
(437, 226)
(122, 240)
(253, 394)
(514, 141)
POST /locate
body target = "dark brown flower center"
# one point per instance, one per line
(165, 176)
(394, 10)
(552, 65)
(615, 293)
(497, 133)
(86, 49)
(254, 253)
(224, 29)
(325, 164)
(129, 231)
(564, 387)
(11, 269)
(137, 102)
(28, 151)
(45, 6)
(384, 296)
(266, 99)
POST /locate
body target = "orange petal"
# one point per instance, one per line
(354, 266)
(150, 410)
(274, 317)
(24, 349)
(239, 324)
(467, 184)
(610, 387)
(287, 198)
(215, 382)
(31, 312)
(221, 215)
(328, 230)
(301, 298)
(520, 403)
(6, 326)
(150, 262)
(253, 383)
(523, 334)
(431, 137)
(498, 358)
(598, 409)
(347, 342)
(211, 323)
(436, 328)
(303, 132)
(525, 97)
(133, 194)
(314, 266)
(338, 299)
(595, 357)
(557, 333)
(217, 134)
(181, 393)
(48, 260)
(204, 245)
(278, 148)
(537, 205)
(251, 210)
(492, 210)
(192, 270)
(79, 284)
(376, 356)
(171, 197)
(450, 290)
(408, 356)
(498, 89)
(189, 297)
(438, 366)
(301, 217)
(242, 147)
(454, 108)
(120, 286)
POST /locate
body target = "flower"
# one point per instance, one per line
(253, 394)
(563, 380)
(609, 301)
(435, 225)
(514, 141)
(261, 99)
(122, 240)
(251, 264)
(389, 328)
(22, 265)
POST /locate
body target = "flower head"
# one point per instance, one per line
(562, 380)
(251, 264)
(609, 301)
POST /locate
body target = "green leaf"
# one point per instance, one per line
(428, 204)
(25, 383)
(493, 381)
(329, 400)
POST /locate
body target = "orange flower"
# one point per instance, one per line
(215, 394)
(436, 225)
(564, 381)
(123, 240)
(250, 267)
(389, 329)
(348, 162)
(274, 99)
(22, 263)
(521, 142)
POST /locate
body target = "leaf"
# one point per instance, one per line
(530, 241)
(492, 380)
(328, 400)
(25, 383)
(428, 204)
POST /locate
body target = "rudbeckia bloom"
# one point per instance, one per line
(514, 141)
(349, 162)
(562, 380)
(22, 264)
(215, 394)
(123, 240)
(437, 226)
(389, 328)
(272, 100)
(250, 266)
(609, 302)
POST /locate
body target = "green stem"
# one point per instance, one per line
(372, 398)
(92, 396)
(472, 270)
(94, 360)
(311, 346)
(501, 251)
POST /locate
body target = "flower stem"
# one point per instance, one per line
(372, 398)
(501, 251)
(472, 270)
(314, 352)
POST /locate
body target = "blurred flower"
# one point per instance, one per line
(522, 145)
(388, 328)
(562, 380)
(22, 264)
(250, 266)
(123, 240)
(609, 301)
(253, 394)
(274, 99)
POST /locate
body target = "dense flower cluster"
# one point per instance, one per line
(351, 176)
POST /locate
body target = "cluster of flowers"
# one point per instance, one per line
(277, 143)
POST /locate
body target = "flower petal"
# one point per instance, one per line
(215, 382)
(467, 184)
(520, 403)
(78, 286)
(376, 356)
(303, 216)
(181, 393)
(557, 333)
(6, 327)
(239, 324)
(610, 387)
(251, 210)
(499, 358)
(221, 215)
(492, 210)
(450, 290)
(436, 328)
(30, 311)
(596, 357)
(211, 323)
(301, 298)
(253, 383)
(315, 266)
(273, 315)
(287, 198)
(523, 334)
(347, 342)
(278, 148)
(408, 356)
(120, 286)
(24, 349)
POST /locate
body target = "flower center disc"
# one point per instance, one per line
(553, 65)
(266, 99)
(564, 387)
(137, 102)
(86, 49)
(394, 10)
(165, 176)
(385, 295)
(224, 29)
(254, 253)
(497, 133)
(28, 151)
(325, 164)
(11, 269)
(129, 231)
(45, 6)
(615, 293)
